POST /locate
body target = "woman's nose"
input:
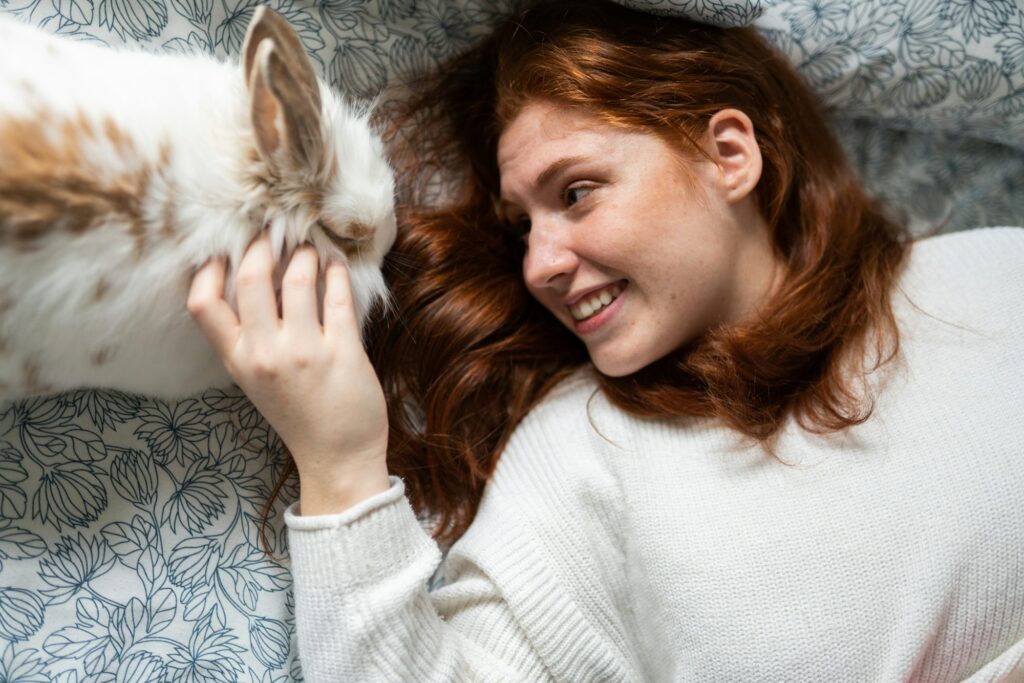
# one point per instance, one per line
(549, 256)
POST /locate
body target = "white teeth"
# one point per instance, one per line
(595, 302)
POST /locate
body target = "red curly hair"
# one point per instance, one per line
(469, 352)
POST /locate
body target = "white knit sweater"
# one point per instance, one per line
(612, 548)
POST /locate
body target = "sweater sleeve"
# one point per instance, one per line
(364, 613)
(1006, 668)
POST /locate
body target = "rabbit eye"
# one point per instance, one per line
(348, 245)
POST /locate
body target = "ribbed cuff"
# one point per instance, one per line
(294, 520)
(375, 538)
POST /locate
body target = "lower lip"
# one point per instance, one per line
(601, 319)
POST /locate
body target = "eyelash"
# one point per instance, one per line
(521, 226)
(575, 188)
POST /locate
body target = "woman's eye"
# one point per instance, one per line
(575, 194)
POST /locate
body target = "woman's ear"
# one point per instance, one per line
(733, 147)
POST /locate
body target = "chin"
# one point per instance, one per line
(615, 367)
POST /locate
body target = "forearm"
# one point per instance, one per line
(362, 607)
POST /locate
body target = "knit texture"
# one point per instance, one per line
(614, 548)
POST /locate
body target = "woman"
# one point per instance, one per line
(690, 405)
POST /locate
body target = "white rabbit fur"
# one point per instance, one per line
(106, 307)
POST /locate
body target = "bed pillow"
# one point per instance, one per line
(950, 65)
(946, 65)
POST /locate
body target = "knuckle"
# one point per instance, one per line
(197, 305)
(251, 271)
(300, 280)
(247, 277)
(336, 301)
(263, 367)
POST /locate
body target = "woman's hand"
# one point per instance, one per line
(312, 382)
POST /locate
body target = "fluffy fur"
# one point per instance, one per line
(121, 172)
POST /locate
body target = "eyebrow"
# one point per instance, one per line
(553, 169)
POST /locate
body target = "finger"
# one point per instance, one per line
(257, 301)
(207, 306)
(298, 291)
(339, 309)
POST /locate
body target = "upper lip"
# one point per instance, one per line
(573, 299)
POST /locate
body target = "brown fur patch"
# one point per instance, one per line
(102, 356)
(6, 304)
(31, 382)
(47, 182)
(79, 127)
(101, 289)
(252, 155)
(359, 231)
(350, 239)
(168, 220)
(122, 141)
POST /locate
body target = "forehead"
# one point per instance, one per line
(543, 123)
(544, 133)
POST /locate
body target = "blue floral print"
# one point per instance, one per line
(129, 541)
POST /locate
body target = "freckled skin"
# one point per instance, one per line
(642, 213)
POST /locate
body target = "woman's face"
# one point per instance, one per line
(632, 246)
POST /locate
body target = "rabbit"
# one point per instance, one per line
(122, 172)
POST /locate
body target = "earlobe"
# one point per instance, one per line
(734, 148)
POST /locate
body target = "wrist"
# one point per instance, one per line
(326, 491)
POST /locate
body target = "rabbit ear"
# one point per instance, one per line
(266, 23)
(285, 119)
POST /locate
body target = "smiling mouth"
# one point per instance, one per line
(594, 303)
